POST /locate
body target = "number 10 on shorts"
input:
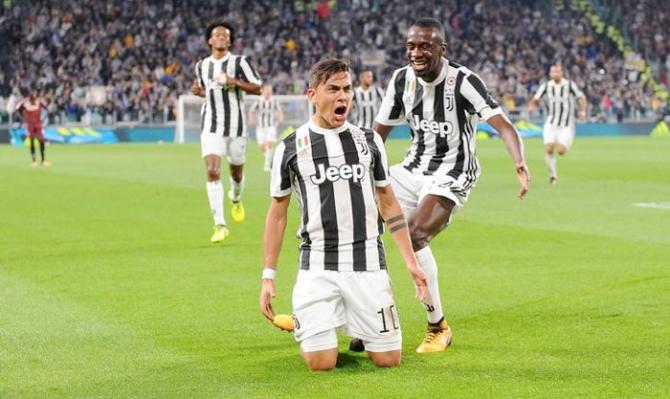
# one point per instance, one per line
(389, 319)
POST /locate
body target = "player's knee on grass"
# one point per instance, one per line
(320, 350)
(385, 359)
(321, 360)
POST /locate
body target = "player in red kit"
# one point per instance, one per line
(30, 109)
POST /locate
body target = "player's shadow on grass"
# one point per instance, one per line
(346, 360)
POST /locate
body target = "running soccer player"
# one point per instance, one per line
(222, 78)
(340, 177)
(30, 110)
(367, 99)
(559, 128)
(267, 115)
(442, 101)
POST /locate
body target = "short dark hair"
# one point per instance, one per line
(432, 23)
(225, 24)
(324, 69)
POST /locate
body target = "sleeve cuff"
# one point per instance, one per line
(389, 122)
(382, 183)
(280, 193)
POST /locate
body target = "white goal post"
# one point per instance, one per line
(297, 110)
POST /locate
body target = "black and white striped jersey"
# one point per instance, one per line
(223, 113)
(266, 112)
(366, 105)
(560, 101)
(443, 116)
(334, 174)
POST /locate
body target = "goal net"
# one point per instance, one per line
(297, 110)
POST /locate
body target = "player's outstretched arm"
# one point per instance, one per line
(391, 212)
(275, 225)
(197, 90)
(514, 145)
(280, 115)
(532, 105)
(247, 87)
(582, 108)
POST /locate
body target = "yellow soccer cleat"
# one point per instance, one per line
(220, 234)
(437, 339)
(33, 164)
(284, 322)
(46, 164)
(237, 211)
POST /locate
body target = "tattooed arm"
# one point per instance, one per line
(391, 212)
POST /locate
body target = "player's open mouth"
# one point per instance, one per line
(419, 65)
(340, 112)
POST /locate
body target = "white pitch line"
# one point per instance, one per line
(655, 205)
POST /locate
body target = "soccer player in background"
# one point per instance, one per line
(367, 99)
(223, 78)
(442, 101)
(30, 110)
(559, 128)
(340, 177)
(266, 114)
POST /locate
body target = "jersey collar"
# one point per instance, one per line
(313, 127)
(225, 57)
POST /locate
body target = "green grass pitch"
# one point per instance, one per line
(109, 287)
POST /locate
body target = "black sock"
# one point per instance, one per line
(42, 150)
(32, 148)
(436, 324)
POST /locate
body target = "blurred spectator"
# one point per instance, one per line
(143, 53)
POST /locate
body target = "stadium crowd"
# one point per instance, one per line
(129, 60)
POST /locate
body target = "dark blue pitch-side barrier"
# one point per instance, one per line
(88, 135)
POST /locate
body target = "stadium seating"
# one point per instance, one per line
(129, 61)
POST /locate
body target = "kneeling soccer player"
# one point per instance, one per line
(340, 176)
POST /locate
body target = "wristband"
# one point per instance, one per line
(269, 273)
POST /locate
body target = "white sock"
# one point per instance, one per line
(215, 194)
(432, 302)
(236, 189)
(268, 157)
(551, 164)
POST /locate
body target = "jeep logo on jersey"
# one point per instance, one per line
(441, 128)
(334, 173)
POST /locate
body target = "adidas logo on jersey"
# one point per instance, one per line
(441, 128)
(334, 173)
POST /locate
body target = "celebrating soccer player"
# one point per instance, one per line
(340, 177)
(222, 78)
(442, 101)
(559, 128)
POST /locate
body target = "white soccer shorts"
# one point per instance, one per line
(410, 188)
(558, 135)
(265, 134)
(234, 148)
(361, 302)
